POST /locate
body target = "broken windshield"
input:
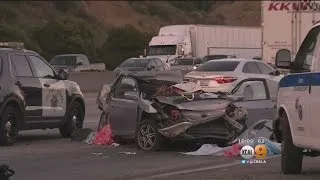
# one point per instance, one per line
(162, 50)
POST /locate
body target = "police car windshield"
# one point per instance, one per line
(135, 62)
(64, 60)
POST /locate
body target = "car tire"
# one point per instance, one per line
(291, 156)
(148, 130)
(9, 130)
(77, 111)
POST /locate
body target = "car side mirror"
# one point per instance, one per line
(151, 67)
(196, 66)
(283, 59)
(131, 96)
(180, 51)
(79, 64)
(62, 75)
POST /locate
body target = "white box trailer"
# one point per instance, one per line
(285, 24)
(201, 40)
(243, 42)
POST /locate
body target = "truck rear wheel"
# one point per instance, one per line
(291, 156)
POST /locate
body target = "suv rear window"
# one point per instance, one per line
(218, 66)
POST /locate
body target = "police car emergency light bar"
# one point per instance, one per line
(17, 45)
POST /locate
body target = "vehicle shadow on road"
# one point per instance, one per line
(176, 146)
(28, 138)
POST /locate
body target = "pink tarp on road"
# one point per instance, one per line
(104, 136)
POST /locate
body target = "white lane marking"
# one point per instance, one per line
(237, 162)
(91, 121)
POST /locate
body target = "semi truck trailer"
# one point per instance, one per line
(285, 24)
(197, 41)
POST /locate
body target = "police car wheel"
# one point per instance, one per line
(75, 119)
(291, 156)
(9, 129)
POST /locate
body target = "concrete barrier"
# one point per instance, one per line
(91, 81)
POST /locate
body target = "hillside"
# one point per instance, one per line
(110, 31)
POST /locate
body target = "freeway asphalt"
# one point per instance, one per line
(45, 155)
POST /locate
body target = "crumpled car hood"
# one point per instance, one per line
(195, 105)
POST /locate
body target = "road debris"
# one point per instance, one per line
(97, 154)
(260, 130)
(90, 138)
(6, 172)
(128, 153)
(103, 137)
(115, 144)
(80, 134)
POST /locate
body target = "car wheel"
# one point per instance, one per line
(75, 119)
(9, 129)
(291, 156)
(104, 120)
(147, 136)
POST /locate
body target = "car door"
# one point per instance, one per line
(306, 111)
(123, 112)
(152, 66)
(272, 79)
(27, 85)
(256, 100)
(54, 93)
(160, 65)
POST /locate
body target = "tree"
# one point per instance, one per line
(123, 43)
(66, 35)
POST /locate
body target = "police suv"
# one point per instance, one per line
(298, 104)
(34, 96)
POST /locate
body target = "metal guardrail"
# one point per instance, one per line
(16, 45)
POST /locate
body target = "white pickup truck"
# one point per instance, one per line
(297, 125)
(75, 63)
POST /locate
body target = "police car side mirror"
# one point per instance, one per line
(283, 59)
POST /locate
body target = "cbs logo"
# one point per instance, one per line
(259, 152)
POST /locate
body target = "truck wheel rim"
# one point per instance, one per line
(75, 118)
(9, 126)
(146, 137)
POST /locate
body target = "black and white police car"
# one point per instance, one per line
(34, 96)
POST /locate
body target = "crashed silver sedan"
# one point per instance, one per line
(156, 108)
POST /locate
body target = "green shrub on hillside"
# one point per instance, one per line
(66, 35)
(123, 43)
(193, 5)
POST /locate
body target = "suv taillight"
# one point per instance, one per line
(224, 80)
